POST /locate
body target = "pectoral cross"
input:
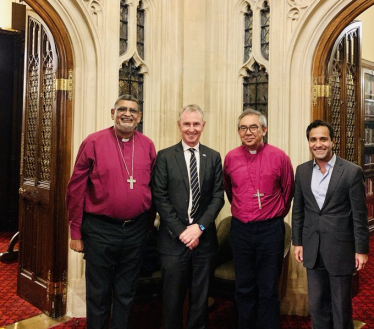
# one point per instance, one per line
(258, 195)
(131, 180)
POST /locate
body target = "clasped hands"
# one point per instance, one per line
(190, 236)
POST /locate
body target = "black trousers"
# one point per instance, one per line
(330, 298)
(258, 249)
(113, 254)
(189, 271)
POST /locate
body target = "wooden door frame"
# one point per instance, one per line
(64, 106)
(326, 42)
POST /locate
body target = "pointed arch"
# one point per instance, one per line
(328, 38)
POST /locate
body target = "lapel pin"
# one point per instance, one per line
(204, 155)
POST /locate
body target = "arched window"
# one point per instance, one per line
(131, 82)
(132, 51)
(123, 27)
(256, 55)
(265, 30)
(255, 89)
(140, 30)
(248, 31)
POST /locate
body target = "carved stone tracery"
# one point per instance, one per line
(296, 10)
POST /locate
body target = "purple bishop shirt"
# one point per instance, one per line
(99, 184)
(269, 171)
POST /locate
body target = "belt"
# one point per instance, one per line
(115, 221)
(259, 222)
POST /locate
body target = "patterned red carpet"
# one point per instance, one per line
(12, 307)
(222, 314)
(147, 315)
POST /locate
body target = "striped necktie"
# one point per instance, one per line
(194, 183)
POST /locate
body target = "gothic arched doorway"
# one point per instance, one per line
(337, 83)
(45, 161)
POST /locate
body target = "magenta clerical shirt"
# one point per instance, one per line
(99, 184)
(269, 172)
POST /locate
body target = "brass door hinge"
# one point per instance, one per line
(65, 85)
(320, 91)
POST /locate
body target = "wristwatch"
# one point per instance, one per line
(201, 226)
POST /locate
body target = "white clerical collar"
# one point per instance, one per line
(253, 151)
(187, 147)
(124, 140)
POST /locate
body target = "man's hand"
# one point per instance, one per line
(298, 252)
(76, 245)
(361, 260)
(191, 235)
(194, 244)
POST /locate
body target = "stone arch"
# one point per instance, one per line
(328, 38)
(312, 39)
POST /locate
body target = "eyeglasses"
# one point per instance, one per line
(126, 109)
(253, 129)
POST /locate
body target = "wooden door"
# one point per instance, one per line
(43, 234)
(339, 86)
(337, 94)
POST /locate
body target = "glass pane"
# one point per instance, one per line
(131, 82)
(248, 33)
(265, 30)
(255, 89)
(123, 27)
(140, 29)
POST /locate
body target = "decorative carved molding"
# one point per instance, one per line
(300, 3)
(296, 11)
(95, 9)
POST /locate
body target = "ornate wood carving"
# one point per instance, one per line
(342, 110)
(46, 170)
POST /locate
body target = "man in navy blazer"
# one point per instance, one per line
(329, 228)
(187, 234)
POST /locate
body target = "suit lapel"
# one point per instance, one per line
(203, 160)
(335, 178)
(308, 176)
(181, 161)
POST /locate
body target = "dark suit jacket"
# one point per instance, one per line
(171, 194)
(340, 228)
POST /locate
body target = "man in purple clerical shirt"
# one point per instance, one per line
(108, 199)
(259, 184)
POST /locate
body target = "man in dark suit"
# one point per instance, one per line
(188, 195)
(329, 228)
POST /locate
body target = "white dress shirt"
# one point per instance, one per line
(187, 156)
(320, 181)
